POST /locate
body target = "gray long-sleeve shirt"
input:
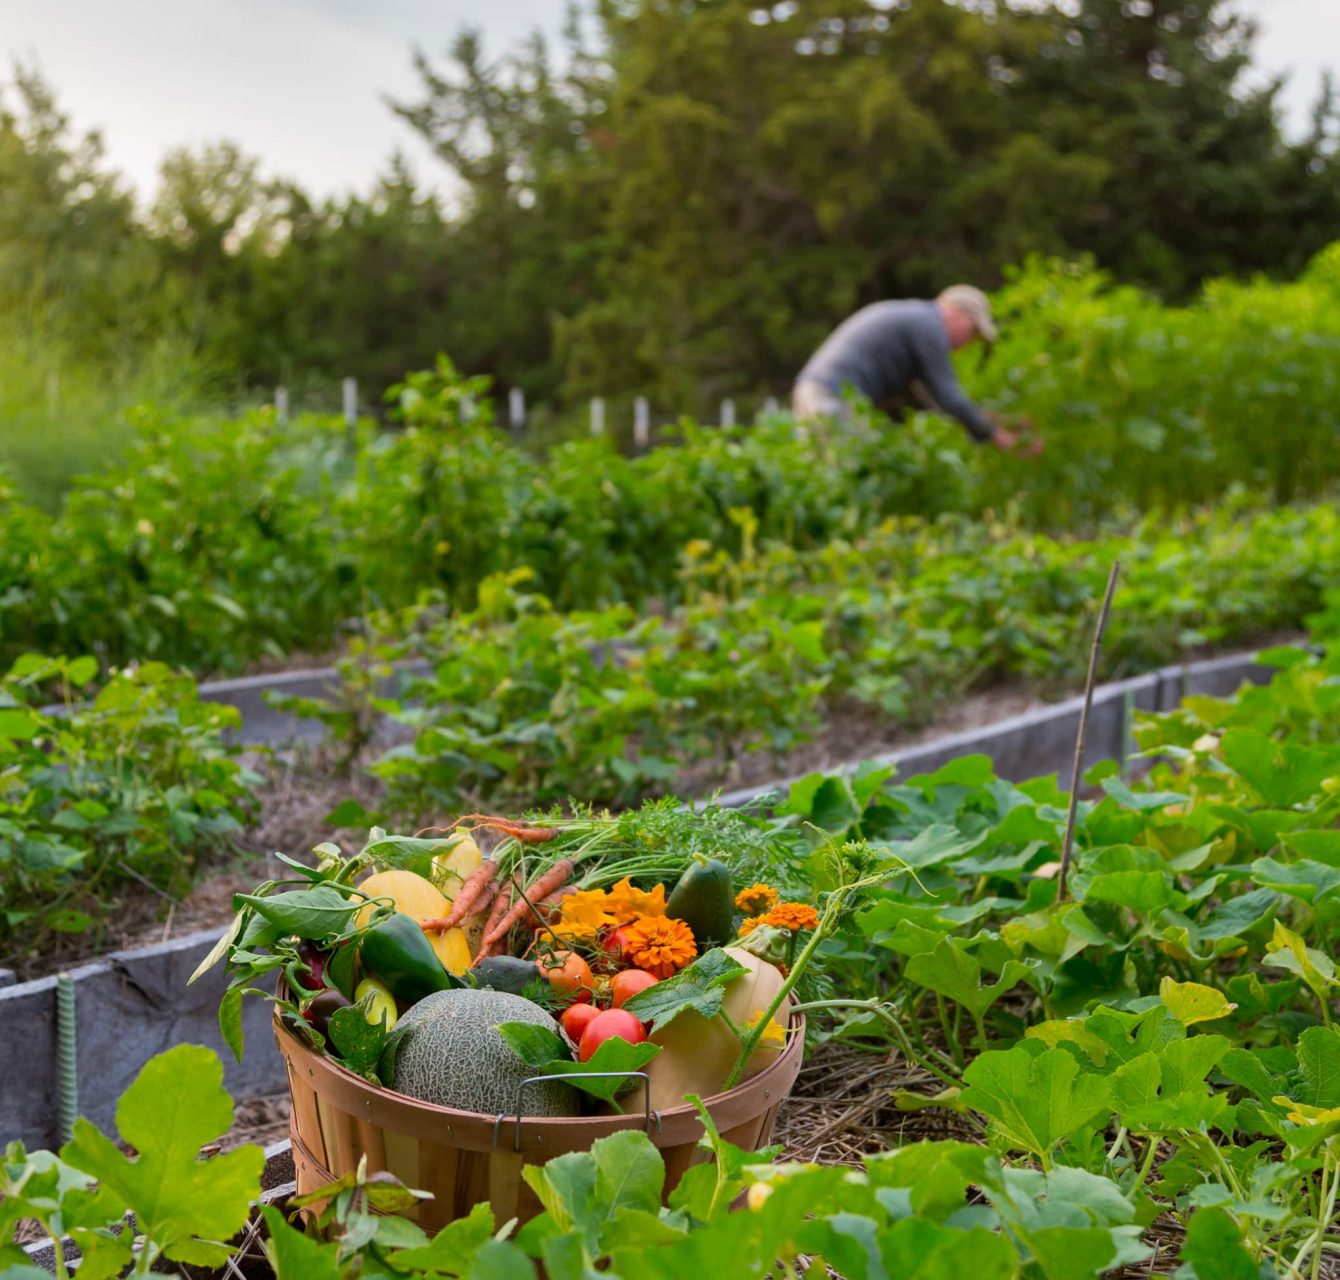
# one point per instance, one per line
(884, 348)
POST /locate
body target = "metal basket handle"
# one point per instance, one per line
(647, 1113)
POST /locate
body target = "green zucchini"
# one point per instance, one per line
(704, 899)
(506, 973)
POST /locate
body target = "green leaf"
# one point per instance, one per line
(81, 671)
(629, 1173)
(614, 1055)
(317, 914)
(1037, 1100)
(1214, 1249)
(501, 1260)
(295, 1255)
(701, 987)
(454, 1248)
(915, 1249)
(1319, 1063)
(536, 1046)
(18, 725)
(1282, 774)
(1192, 1002)
(174, 1106)
(951, 971)
(358, 1041)
(230, 1020)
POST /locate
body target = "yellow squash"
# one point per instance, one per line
(698, 1053)
(453, 867)
(420, 900)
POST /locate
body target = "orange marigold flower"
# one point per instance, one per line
(748, 925)
(628, 902)
(757, 899)
(793, 915)
(583, 914)
(659, 945)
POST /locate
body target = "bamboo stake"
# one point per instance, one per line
(1069, 841)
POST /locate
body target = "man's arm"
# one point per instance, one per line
(937, 372)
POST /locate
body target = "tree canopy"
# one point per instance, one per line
(685, 197)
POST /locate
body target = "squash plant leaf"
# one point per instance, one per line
(1034, 1099)
(183, 1206)
(701, 987)
(1214, 1249)
(1192, 1002)
(952, 972)
(614, 1055)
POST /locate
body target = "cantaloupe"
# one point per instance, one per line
(452, 1055)
(421, 901)
(698, 1053)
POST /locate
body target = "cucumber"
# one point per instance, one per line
(704, 899)
(506, 973)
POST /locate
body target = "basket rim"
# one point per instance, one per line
(542, 1135)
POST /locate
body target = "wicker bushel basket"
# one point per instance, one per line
(463, 1157)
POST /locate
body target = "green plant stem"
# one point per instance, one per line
(883, 1013)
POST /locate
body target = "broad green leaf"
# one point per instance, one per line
(629, 1173)
(1287, 950)
(1307, 880)
(615, 1056)
(317, 913)
(701, 987)
(358, 1041)
(1192, 1002)
(500, 1260)
(1147, 892)
(175, 1106)
(1071, 1031)
(1034, 1101)
(453, 1248)
(951, 971)
(537, 1046)
(916, 1249)
(1319, 1064)
(1282, 774)
(295, 1255)
(1214, 1248)
(932, 846)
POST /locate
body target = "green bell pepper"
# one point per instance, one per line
(396, 953)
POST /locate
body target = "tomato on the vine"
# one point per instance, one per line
(624, 986)
(568, 974)
(576, 1018)
(612, 1024)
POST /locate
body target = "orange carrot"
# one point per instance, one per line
(538, 889)
(522, 831)
(464, 904)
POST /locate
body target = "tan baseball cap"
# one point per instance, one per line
(975, 305)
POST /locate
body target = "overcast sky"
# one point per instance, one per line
(300, 82)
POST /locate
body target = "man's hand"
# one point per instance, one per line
(1028, 446)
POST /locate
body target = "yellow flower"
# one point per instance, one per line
(628, 902)
(757, 899)
(792, 915)
(659, 945)
(584, 914)
(773, 1033)
(747, 926)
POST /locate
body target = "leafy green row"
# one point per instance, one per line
(133, 787)
(523, 704)
(215, 544)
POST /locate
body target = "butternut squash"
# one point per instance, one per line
(419, 900)
(698, 1053)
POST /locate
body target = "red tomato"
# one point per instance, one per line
(569, 974)
(576, 1018)
(624, 986)
(614, 942)
(613, 1024)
